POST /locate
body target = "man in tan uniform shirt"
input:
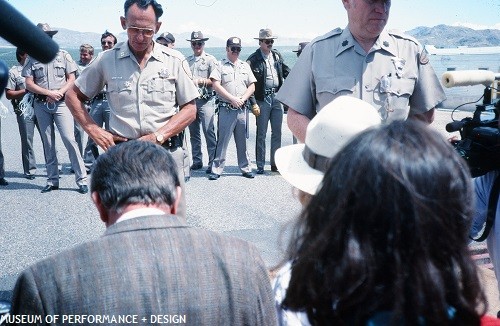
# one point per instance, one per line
(149, 87)
(387, 69)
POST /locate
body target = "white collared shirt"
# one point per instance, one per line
(138, 212)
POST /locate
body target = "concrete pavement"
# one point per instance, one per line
(34, 225)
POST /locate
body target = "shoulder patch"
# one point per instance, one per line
(423, 58)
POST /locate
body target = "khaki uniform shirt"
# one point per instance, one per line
(395, 76)
(272, 79)
(234, 78)
(140, 102)
(202, 66)
(50, 75)
(16, 81)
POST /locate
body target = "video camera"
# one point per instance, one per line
(480, 134)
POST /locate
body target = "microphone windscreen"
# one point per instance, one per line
(18, 30)
(467, 78)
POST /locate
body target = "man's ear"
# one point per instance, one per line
(173, 208)
(103, 213)
(123, 21)
(158, 25)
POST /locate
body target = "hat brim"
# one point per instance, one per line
(50, 33)
(265, 38)
(198, 39)
(295, 170)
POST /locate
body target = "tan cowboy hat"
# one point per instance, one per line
(265, 34)
(197, 36)
(46, 28)
(303, 165)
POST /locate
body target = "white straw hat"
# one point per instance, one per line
(303, 165)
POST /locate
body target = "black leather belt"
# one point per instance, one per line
(174, 142)
(171, 143)
(230, 106)
(43, 98)
(100, 96)
(270, 91)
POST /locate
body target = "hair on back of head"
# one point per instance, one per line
(387, 231)
(135, 172)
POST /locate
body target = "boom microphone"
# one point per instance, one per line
(454, 126)
(19, 31)
(468, 78)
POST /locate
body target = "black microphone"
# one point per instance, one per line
(454, 126)
(19, 31)
(4, 76)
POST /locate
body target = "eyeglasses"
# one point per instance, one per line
(199, 43)
(235, 49)
(106, 43)
(146, 32)
(267, 41)
(386, 3)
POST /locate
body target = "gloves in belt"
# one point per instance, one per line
(256, 110)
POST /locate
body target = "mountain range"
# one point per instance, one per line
(440, 36)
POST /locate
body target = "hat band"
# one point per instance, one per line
(316, 161)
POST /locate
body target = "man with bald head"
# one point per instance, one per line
(385, 68)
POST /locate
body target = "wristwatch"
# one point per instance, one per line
(159, 137)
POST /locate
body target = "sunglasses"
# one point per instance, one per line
(267, 41)
(146, 32)
(199, 43)
(106, 43)
(235, 49)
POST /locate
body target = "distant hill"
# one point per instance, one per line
(440, 36)
(451, 36)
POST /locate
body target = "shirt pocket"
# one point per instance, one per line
(39, 71)
(335, 85)
(329, 88)
(394, 95)
(59, 69)
(118, 92)
(227, 77)
(202, 71)
(160, 91)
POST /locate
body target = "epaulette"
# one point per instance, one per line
(400, 34)
(332, 33)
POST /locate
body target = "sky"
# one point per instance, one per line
(244, 18)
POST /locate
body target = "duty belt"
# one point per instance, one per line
(207, 95)
(171, 143)
(100, 96)
(270, 91)
(174, 142)
(43, 98)
(230, 106)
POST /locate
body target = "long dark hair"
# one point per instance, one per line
(387, 231)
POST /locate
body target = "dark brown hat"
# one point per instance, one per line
(197, 36)
(233, 41)
(46, 28)
(167, 37)
(301, 47)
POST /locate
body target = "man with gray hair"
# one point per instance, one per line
(149, 87)
(148, 263)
